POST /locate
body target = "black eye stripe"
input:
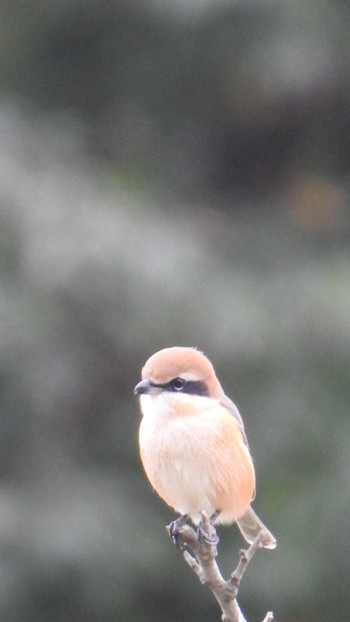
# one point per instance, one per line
(196, 387)
(191, 387)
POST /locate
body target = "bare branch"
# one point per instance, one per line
(200, 555)
(245, 555)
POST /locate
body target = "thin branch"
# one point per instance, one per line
(200, 555)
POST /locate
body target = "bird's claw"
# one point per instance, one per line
(174, 527)
(206, 530)
(207, 538)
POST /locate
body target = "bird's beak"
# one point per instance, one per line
(146, 386)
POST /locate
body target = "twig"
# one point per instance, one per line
(200, 555)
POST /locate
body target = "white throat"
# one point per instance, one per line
(165, 404)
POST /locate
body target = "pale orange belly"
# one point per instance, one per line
(199, 463)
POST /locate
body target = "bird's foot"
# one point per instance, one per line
(214, 516)
(203, 536)
(174, 528)
(206, 531)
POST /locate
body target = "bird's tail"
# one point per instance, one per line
(251, 525)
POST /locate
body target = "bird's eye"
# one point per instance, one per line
(178, 384)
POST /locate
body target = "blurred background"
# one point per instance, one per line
(172, 173)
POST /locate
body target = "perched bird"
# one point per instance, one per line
(192, 443)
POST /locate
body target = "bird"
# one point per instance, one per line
(193, 445)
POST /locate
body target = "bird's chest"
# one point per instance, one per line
(165, 440)
(170, 441)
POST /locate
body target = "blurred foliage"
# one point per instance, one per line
(233, 96)
(171, 173)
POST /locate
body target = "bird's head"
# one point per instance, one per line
(179, 370)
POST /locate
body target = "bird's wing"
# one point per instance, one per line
(233, 410)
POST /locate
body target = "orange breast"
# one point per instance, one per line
(196, 459)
